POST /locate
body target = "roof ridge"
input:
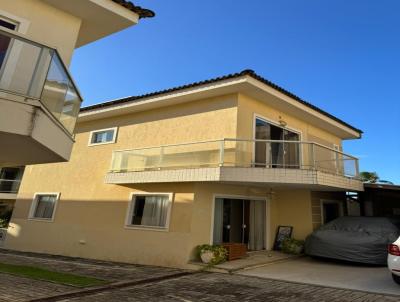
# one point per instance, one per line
(245, 72)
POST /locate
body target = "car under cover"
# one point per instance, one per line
(355, 239)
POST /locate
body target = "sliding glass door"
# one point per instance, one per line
(275, 154)
(240, 221)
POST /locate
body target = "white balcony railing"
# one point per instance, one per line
(237, 153)
(33, 71)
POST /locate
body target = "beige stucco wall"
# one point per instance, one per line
(99, 220)
(248, 107)
(45, 24)
(293, 208)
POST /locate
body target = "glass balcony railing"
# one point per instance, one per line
(34, 71)
(238, 153)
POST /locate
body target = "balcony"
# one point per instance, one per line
(278, 163)
(39, 102)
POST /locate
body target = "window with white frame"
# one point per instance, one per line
(43, 206)
(149, 210)
(103, 136)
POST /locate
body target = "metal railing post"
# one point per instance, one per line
(112, 162)
(357, 168)
(160, 161)
(313, 156)
(221, 152)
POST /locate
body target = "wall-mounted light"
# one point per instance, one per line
(282, 123)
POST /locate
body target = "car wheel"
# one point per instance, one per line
(396, 278)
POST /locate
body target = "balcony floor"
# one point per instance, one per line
(275, 177)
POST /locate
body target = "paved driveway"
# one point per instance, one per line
(312, 271)
(148, 284)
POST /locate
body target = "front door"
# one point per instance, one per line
(240, 221)
(235, 221)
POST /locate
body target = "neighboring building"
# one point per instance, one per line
(39, 101)
(150, 177)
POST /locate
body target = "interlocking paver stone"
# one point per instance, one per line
(207, 287)
(99, 269)
(202, 286)
(16, 289)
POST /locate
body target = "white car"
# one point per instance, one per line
(394, 260)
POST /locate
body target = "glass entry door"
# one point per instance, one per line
(276, 154)
(240, 221)
(235, 221)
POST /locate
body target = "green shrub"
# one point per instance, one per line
(220, 253)
(293, 246)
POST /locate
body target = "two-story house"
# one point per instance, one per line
(39, 101)
(152, 176)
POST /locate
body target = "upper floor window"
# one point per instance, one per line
(8, 24)
(150, 210)
(103, 136)
(43, 206)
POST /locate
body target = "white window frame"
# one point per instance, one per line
(115, 129)
(131, 206)
(268, 225)
(35, 202)
(276, 123)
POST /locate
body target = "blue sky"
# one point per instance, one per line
(342, 56)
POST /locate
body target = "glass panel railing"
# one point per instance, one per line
(23, 66)
(31, 70)
(335, 162)
(267, 154)
(202, 154)
(238, 153)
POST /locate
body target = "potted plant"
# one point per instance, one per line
(211, 254)
(292, 246)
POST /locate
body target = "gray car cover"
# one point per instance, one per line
(356, 239)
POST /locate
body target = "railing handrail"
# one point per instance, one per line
(240, 140)
(170, 145)
(286, 141)
(19, 36)
(4, 179)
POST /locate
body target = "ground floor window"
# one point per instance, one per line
(150, 210)
(330, 210)
(43, 206)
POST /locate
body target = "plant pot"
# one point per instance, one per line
(207, 257)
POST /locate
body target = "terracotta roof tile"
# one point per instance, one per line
(142, 12)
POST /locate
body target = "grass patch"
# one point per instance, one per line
(46, 275)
